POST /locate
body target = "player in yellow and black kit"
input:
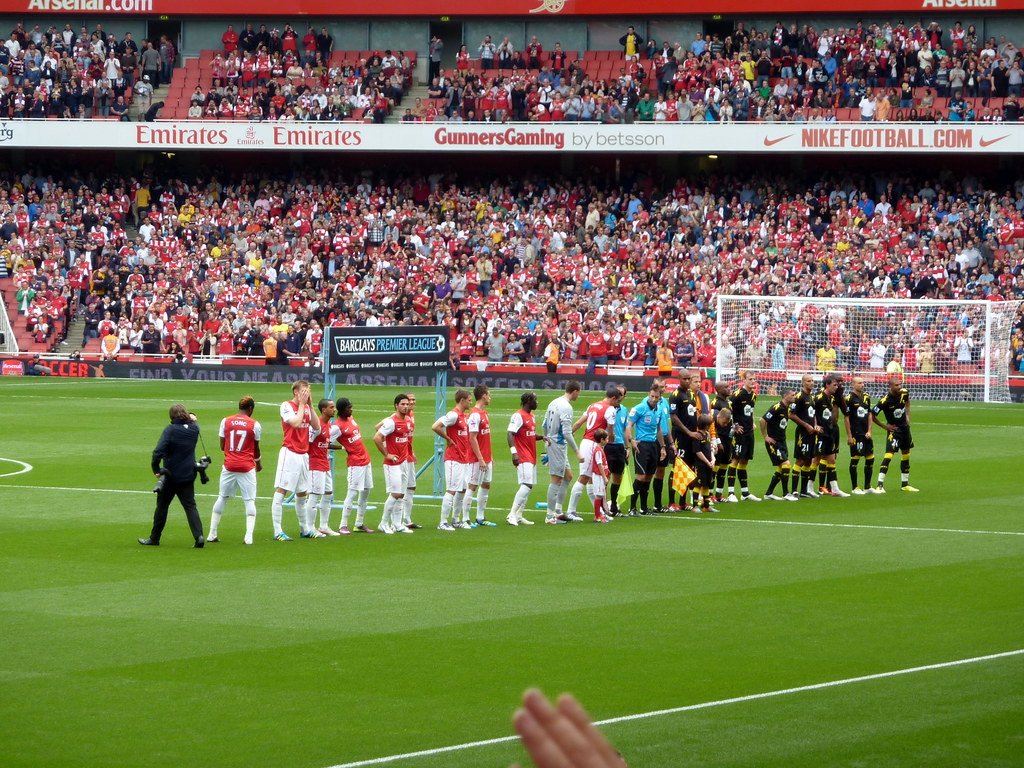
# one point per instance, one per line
(826, 408)
(773, 429)
(895, 404)
(858, 435)
(723, 433)
(807, 431)
(741, 403)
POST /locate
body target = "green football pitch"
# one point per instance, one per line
(762, 635)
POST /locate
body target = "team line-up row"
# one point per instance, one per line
(705, 442)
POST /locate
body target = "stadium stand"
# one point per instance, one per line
(216, 264)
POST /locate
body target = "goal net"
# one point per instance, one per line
(947, 350)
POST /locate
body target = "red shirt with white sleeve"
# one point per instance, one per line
(523, 427)
(240, 434)
(296, 439)
(479, 423)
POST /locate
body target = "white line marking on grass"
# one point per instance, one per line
(868, 526)
(694, 707)
(427, 502)
(24, 468)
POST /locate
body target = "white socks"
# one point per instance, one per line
(302, 513)
(446, 506)
(218, 510)
(574, 497)
(250, 519)
(276, 510)
(519, 502)
(346, 507)
(361, 510)
(407, 511)
(325, 510)
(481, 502)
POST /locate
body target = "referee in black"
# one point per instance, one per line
(177, 450)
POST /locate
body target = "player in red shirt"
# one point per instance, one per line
(410, 466)
(600, 476)
(360, 473)
(293, 462)
(240, 442)
(522, 439)
(599, 416)
(321, 479)
(453, 429)
(393, 441)
(481, 468)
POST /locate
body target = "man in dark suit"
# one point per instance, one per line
(177, 450)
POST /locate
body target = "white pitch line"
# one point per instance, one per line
(709, 518)
(694, 707)
(25, 467)
(434, 503)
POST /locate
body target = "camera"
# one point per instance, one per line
(160, 481)
(201, 467)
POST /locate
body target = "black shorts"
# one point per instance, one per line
(899, 441)
(670, 456)
(681, 441)
(705, 474)
(743, 446)
(725, 453)
(825, 445)
(616, 455)
(803, 448)
(688, 450)
(777, 453)
(646, 458)
(862, 446)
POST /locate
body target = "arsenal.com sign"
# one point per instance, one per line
(428, 8)
(386, 349)
(845, 138)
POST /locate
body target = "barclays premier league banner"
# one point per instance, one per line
(386, 349)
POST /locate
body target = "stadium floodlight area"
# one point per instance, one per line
(946, 350)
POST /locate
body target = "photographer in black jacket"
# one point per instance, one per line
(177, 477)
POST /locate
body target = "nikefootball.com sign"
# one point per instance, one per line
(1004, 138)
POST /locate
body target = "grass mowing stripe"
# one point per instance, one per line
(435, 503)
(840, 525)
(699, 706)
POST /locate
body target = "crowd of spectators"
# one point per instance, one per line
(221, 263)
(275, 75)
(80, 75)
(879, 72)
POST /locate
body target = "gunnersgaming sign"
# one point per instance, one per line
(387, 349)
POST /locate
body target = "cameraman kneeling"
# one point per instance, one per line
(177, 449)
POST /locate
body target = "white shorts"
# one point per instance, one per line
(479, 476)
(526, 474)
(410, 474)
(292, 471)
(558, 459)
(244, 483)
(394, 478)
(455, 476)
(321, 481)
(587, 458)
(600, 486)
(360, 478)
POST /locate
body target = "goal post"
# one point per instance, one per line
(947, 349)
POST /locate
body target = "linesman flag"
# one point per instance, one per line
(682, 476)
(626, 488)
